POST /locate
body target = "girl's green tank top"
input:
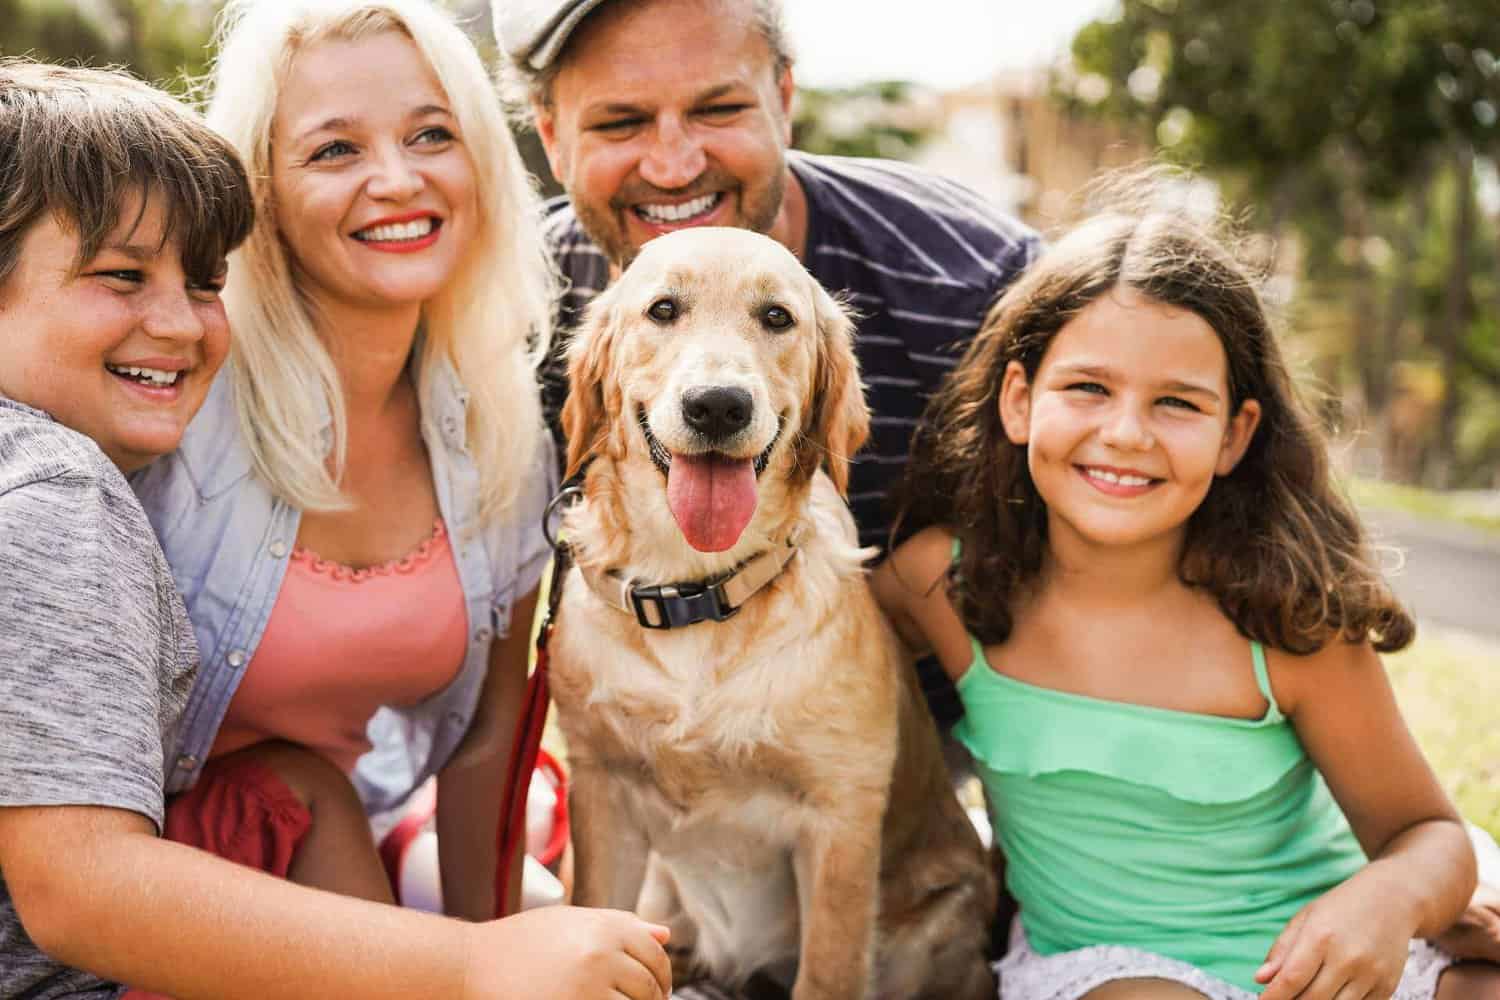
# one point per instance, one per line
(1189, 835)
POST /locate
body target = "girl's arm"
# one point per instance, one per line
(470, 785)
(1421, 871)
(97, 890)
(910, 588)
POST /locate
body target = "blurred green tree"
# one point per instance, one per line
(1342, 120)
(164, 41)
(888, 118)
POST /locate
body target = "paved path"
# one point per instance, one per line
(1451, 576)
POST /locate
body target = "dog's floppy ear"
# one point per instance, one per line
(592, 394)
(839, 419)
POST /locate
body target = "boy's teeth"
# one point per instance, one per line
(413, 230)
(149, 376)
(676, 213)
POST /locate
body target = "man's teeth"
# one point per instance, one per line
(413, 230)
(150, 376)
(676, 213)
(1120, 479)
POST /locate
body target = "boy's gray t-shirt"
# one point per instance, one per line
(96, 654)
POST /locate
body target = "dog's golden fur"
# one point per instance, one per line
(771, 786)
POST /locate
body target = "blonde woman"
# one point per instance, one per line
(354, 519)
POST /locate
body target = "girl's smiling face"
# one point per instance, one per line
(1127, 421)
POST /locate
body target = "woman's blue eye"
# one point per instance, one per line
(435, 134)
(1177, 402)
(1092, 387)
(332, 149)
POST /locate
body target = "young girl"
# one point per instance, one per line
(1163, 620)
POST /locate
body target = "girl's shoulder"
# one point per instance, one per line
(927, 555)
(911, 586)
(1299, 677)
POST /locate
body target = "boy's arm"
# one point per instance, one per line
(95, 889)
(470, 785)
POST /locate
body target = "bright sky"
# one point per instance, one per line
(942, 43)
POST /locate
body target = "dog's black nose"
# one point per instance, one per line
(718, 411)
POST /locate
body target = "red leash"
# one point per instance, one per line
(523, 757)
(512, 832)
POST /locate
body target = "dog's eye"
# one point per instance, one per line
(663, 310)
(777, 318)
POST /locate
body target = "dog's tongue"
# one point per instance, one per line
(712, 498)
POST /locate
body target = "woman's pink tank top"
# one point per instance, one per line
(341, 642)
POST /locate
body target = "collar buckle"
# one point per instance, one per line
(673, 605)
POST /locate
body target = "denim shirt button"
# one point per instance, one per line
(187, 762)
(456, 719)
(484, 633)
(278, 549)
(236, 658)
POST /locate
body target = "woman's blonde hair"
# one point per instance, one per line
(492, 320)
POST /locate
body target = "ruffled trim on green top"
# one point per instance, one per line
(1013, 727)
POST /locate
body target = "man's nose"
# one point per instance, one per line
(675, 158)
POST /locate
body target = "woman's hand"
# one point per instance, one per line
(1350, 939)
(568, 953)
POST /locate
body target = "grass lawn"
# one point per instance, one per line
(1448, 685)
(1476, 510)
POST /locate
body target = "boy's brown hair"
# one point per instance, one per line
(77, 143)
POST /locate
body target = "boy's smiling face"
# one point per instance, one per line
(123, 349)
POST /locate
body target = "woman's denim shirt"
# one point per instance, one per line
(228, 541)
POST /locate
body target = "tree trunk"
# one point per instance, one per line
(1406, 245)
(1455, 316)
(1365, 340)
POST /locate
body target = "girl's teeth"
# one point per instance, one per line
(1125, 480)
(149, 376)
(413, 230)
(676, 213)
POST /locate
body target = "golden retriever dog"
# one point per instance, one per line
(766, 781)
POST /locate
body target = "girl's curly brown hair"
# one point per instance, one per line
(1275, 542)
